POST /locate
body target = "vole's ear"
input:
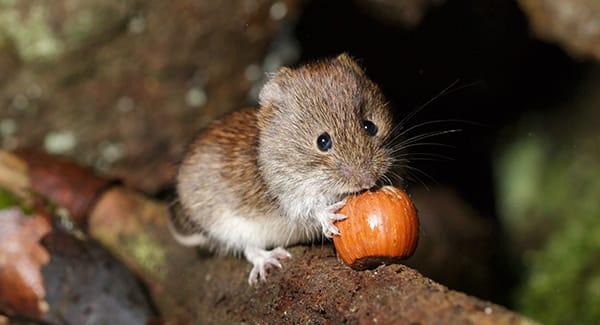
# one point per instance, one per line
(349, 62)
(272, 92)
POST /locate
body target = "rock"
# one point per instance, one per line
(125, 85)
(405, 12)
(86, 285)
(574, 24)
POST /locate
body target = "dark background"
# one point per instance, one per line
(502, 72)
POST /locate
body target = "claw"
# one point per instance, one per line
(328, 216)
(338, 217)
(253, 277)
(262, 261)
(280, 253)
(336, 206)
(273, 261)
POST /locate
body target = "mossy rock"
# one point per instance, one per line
(43, 31)
(549, 199)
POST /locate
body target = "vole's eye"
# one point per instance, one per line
(324, 142)
(369, 127)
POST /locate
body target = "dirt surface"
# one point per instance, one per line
(316, 288)
(313, 287)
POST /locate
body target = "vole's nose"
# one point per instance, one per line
(361, 177)
(367, 181)
(346, 171)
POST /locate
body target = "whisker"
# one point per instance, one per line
(428, 135)
(408, 155)
(422, 173)
(395, 177)
(439, 121)
(415, 178)
(425, 159)
(420, 144)
(395, 143)
(421, 137)
(478, 82)
(398, 176)
(388, 180)
(420, 108)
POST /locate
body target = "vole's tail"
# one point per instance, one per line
(184, 230)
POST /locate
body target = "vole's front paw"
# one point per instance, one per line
(263, 260)
(328, 216)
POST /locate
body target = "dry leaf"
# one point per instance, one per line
(21, 258)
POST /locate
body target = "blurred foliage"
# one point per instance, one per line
(549, 198)
(7, 199)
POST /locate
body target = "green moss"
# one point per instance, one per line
(148, 254)
(563, 283)
(553, 200)
(31, 34)
(519, 178)
(7, 2)
(39, 37)
(7, 200)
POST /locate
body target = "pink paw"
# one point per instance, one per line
(328, 216)
(262, 261)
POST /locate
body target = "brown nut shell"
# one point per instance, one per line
(382, 227)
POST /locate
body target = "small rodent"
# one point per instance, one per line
(269, 177)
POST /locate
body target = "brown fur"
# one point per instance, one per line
(332, 96)
(264, 163)
(237, 134)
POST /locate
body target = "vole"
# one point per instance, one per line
(261, 179)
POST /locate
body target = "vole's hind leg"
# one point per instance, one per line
(263, 260)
